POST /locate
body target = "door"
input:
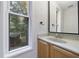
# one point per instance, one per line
(52, 17)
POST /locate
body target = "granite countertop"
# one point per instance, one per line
(69, 44)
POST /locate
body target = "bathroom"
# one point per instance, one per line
(39, 29)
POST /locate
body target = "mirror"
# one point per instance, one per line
(63, 16)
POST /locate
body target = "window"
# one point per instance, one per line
(18, 24)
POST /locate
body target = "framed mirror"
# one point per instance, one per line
(63, 17)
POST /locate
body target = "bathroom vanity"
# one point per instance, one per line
(63, 18)
(51, 47)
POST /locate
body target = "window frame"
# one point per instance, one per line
(14, 52)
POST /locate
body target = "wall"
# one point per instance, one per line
(39, 13)
(66, 36)
(1, 30)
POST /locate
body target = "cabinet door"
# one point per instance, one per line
(43, 49)
(51, 51)
(61, 53)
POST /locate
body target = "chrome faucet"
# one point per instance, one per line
(58, 35)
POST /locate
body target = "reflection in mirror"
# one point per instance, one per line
(63, 16)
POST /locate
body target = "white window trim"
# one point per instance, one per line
(17, 51)
(17, 14)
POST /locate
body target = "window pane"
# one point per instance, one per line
(19, 7)
(18, 31)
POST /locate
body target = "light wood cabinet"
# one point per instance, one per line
(61, 53)
(51, 51)
(47, 50)
(43, 49)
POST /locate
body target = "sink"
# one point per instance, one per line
(62, 42)
(57, 40)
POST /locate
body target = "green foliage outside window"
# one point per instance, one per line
(18, 25)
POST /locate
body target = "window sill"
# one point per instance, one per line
(17, 51)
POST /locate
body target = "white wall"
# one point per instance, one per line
(39, 13)
(71, 20)
(1, 30)
(43, 16)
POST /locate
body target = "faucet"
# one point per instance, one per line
(58, 35)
